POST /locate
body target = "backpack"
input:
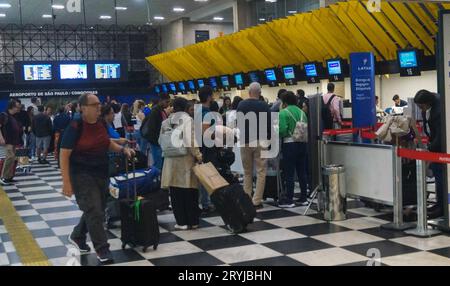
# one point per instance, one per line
(327, 116)
(145, 127)
(300, 133)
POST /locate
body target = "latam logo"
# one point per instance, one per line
(364, 68)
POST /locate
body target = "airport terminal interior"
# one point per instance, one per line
(358, 118)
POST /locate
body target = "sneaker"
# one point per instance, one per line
(181, 227)
(11, 181)
(194, 226)
(105, 256)
(287, 205)
(302, 202)
(4, 182)
(80, 245)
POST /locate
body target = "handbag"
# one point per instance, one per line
(209, 177)
(167, 138)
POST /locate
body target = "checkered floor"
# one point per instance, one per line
(278, 237)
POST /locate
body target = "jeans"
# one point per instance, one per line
(32, 144)
(294, 157)
(438, 171)
(205, 201)
(157, 156)
(90, 193)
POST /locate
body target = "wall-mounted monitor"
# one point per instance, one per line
(173, 88)
(200, 83)
(254, 76)
(182, 87)
(289, 73)
(157, 89)
(191, 86)
(335, 68)
(239, 81)
(38, 72)
(271, 77)
(225, 81)
(164, 88)
(73, 71)
(312, 72)
(107, 71)
(213, 83)
(409, 62)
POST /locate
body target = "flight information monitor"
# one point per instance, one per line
(107, 71)
(37, 72)
(73, 71)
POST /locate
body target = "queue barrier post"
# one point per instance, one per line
(398, 223)
(422, 229)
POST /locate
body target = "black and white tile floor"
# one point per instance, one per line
(278, 236)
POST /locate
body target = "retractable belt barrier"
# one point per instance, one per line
(366, 133)
(441, 158)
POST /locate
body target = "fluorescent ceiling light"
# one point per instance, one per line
(262, 19)
(58, 7)
(2, 15)
(292, 12)
(218, 19)
(200, 0)
(5, 5)
(158, 18)
(46, 16)
(178, 9)
(105, 17)
(120, 8)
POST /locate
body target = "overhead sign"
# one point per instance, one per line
(50, 93)
(363, 89)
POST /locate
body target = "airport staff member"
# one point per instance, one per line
(84, 168)
(430, 105)
(399, 102)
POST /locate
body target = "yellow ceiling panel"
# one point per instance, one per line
(415, 25)
(337, 30)
(423, 16)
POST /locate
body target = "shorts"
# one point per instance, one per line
(43, 142)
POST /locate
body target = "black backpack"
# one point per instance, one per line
(327, 116)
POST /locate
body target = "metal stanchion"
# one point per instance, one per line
(398, 223)
(422, 229)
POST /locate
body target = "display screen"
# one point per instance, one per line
(181, 86)
(157, 89)
(173, 87)
(270, 75)
(164, 88)
(213, 82)
(201, 83)
(107, 71)
(334, 67)
(225, 81)
(73, 71)
(254, 77)
(191, 85)
(310, 70)
(239, 79)
(37, 72)
(408, 59)
(289, 72)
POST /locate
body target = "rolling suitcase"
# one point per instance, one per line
(235, 207)
(139, 221)
(273, 186)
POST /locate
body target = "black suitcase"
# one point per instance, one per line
(160, 199)
(139, 221)
(235, 207)
(273, 186)
(409, 183)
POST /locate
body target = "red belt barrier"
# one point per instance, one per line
(332, 132)
(424, 156)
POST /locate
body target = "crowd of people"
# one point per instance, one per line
(85, 134)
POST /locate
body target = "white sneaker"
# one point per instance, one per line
(4, 183)
(181, 227)
(287, 206)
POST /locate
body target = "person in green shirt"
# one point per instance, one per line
(293, 153)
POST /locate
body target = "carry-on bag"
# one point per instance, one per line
(209, 177)
(139, 221)
(235, 207)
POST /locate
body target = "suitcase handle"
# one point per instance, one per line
(133, 166)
